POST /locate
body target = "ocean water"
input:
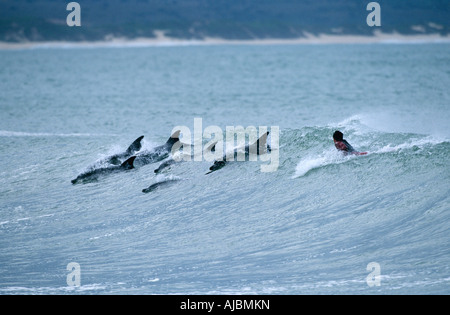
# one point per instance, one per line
(311, 227)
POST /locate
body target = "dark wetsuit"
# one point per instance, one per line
(344, 146)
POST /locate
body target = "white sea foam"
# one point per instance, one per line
(166, 178)
(57, 290)
(7, 133)
(310, 163)
(162, 40)
(419, 143)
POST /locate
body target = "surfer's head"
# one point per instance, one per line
(338, 136)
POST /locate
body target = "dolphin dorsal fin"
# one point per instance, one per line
(260, 146)
(211, 147)
(135, 146)
(128, 164)
(174, 138)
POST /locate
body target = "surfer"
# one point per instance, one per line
(342, 145)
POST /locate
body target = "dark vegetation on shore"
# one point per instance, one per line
(45, 20)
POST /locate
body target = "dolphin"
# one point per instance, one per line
(165, 164)
(118, 159)
(155, 186)
(94, 173)
(259, 147)
(171, 161)
(159, 153)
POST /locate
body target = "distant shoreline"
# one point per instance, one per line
(163, 41)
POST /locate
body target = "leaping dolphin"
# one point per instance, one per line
(94, 173)
(259, 147)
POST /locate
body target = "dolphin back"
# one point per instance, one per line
(135, 146)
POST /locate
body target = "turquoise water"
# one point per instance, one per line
(311, 227)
